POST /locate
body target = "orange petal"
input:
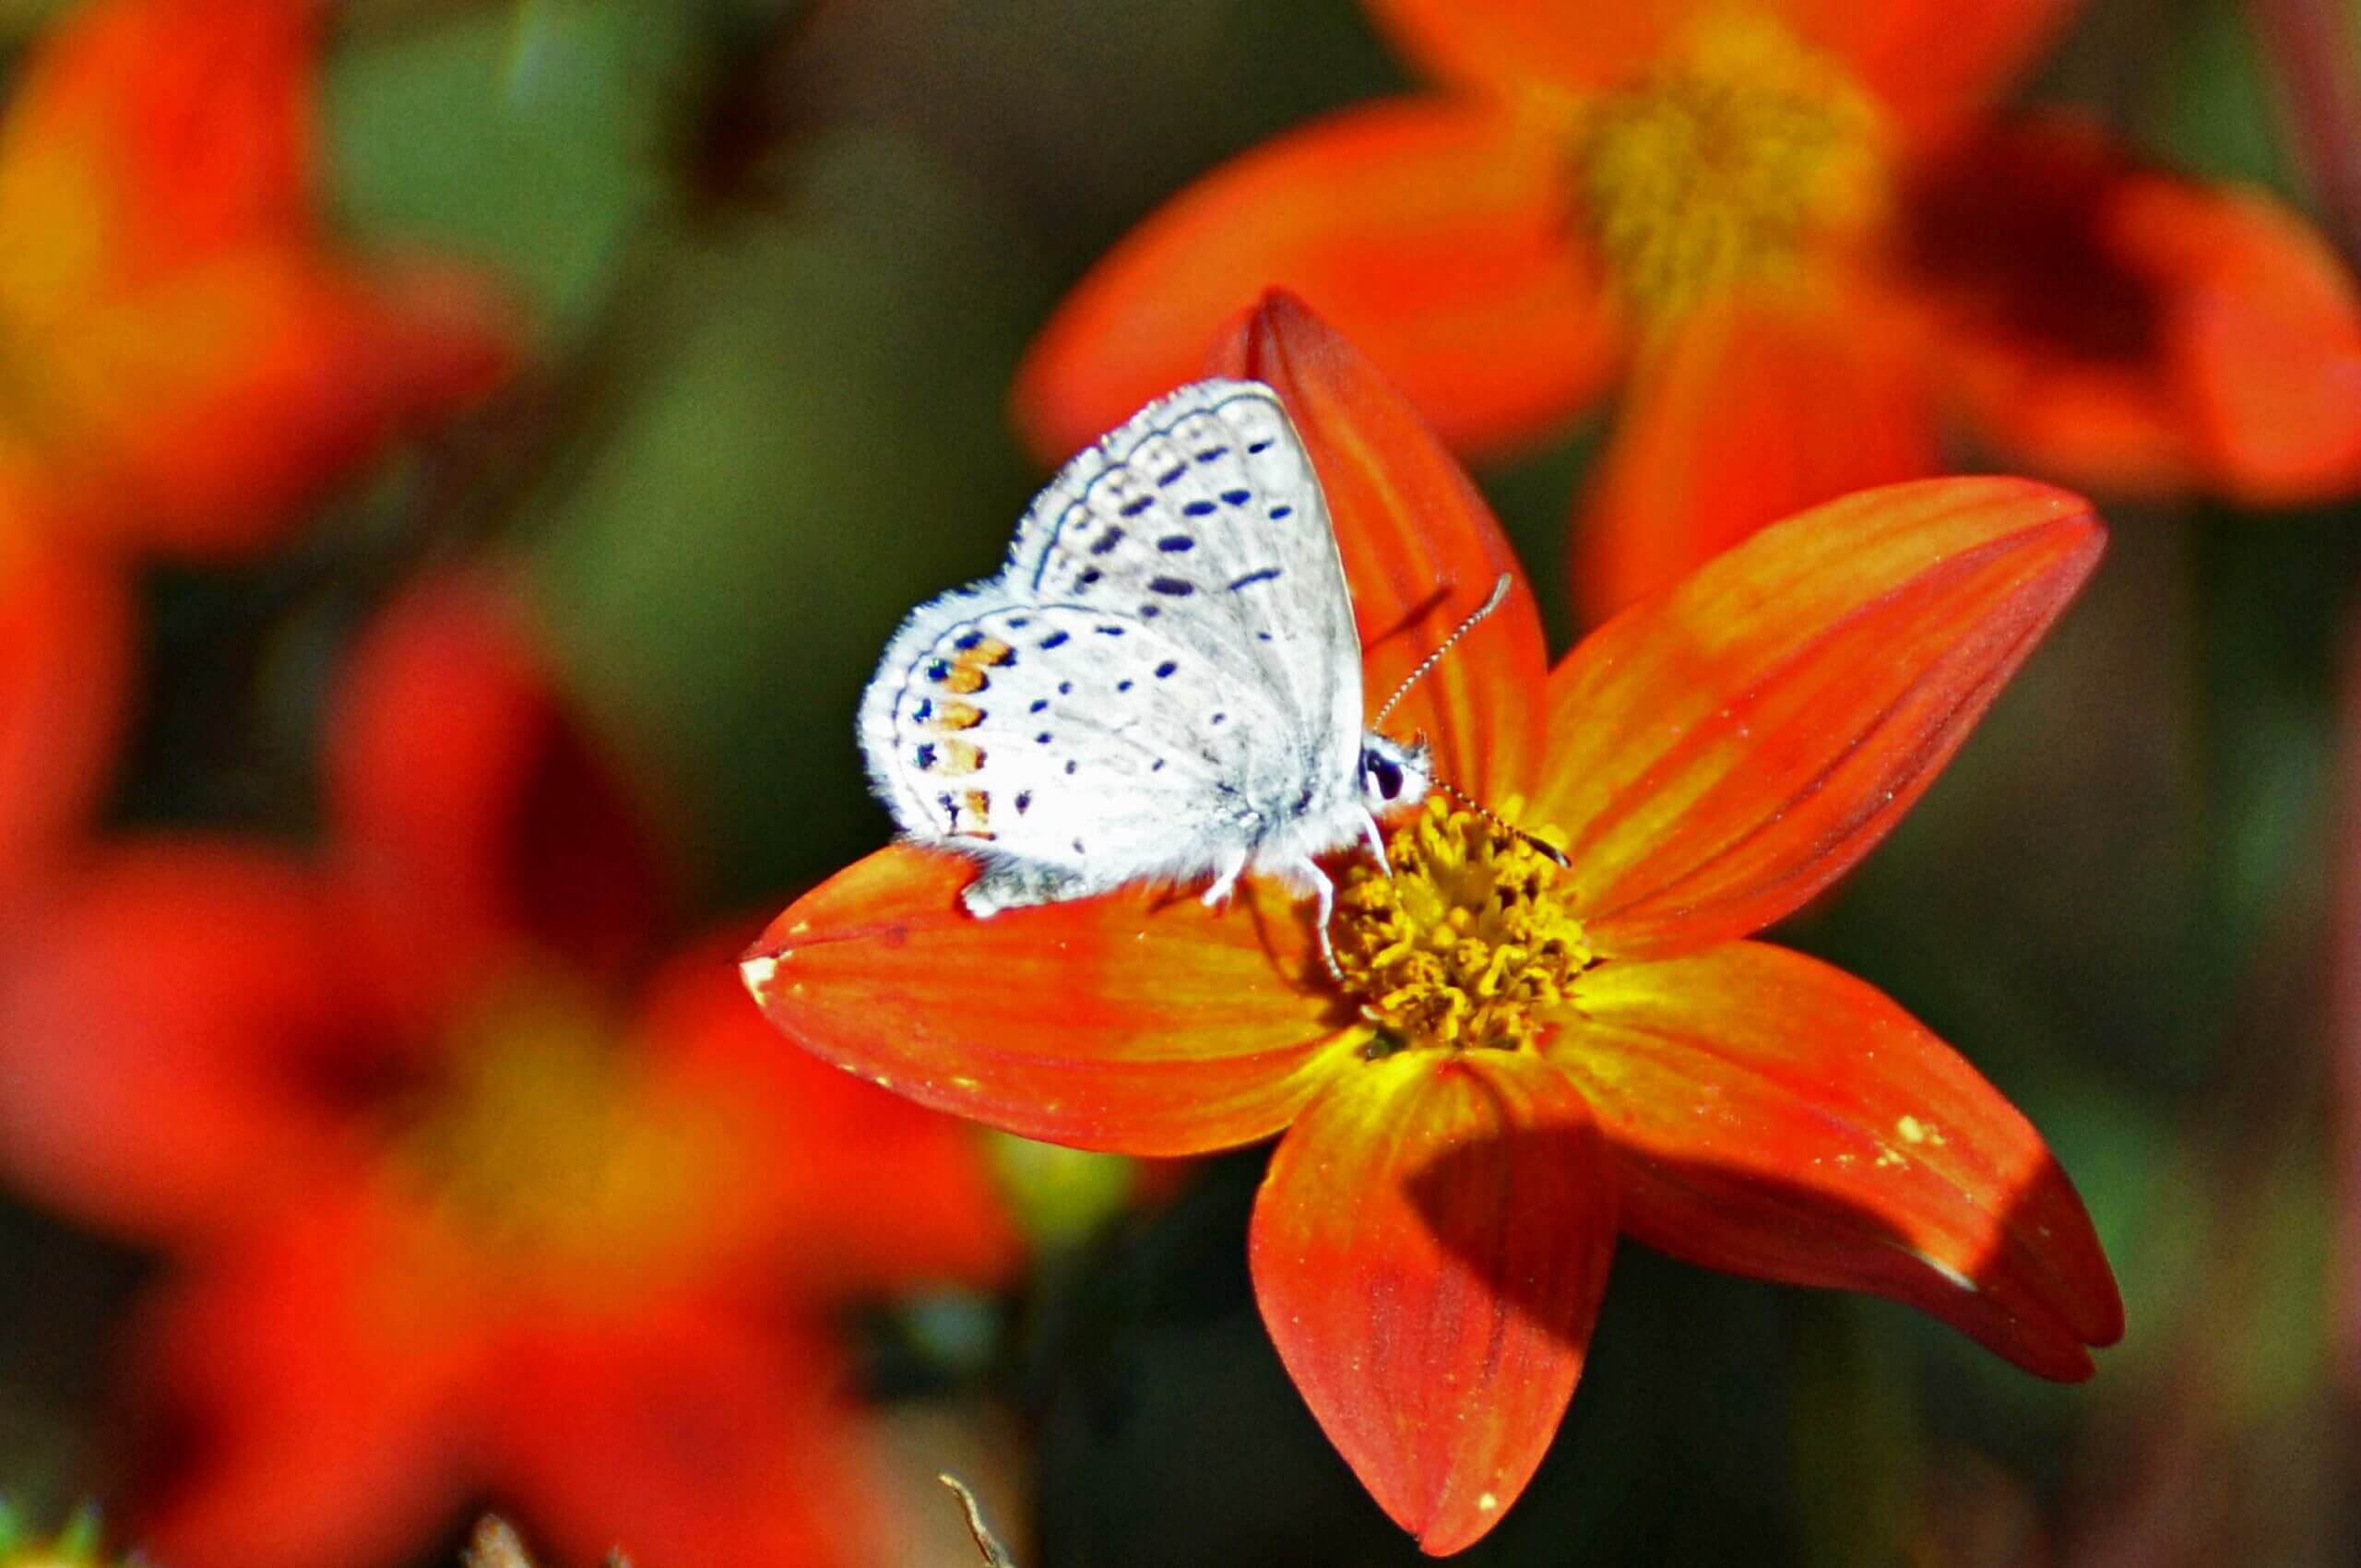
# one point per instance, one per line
(2127, 328)
(1932, 63)
(1422, 551)
(201, 413)
(1139, 1023)
(473, 806)
(305, 1425)
(1773, 1116)
(1747, 412)
(66, 670)
(940, 1218)
(195, 363)
(1434, 234)
(1527, 46)
(682, 1437)
(173, 1028)
(1429, 1249)
(185, 125)
(1721, 753)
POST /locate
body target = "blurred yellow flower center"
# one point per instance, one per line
(56, 221)
(1715, 170)
(1464, 940)
(553, 1151)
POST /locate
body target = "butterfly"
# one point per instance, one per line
(1163, 682)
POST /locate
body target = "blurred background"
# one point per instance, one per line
(768, 269)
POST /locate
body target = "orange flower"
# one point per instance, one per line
(461, 1195)
(1795, 231)
(184, 360)
(1523, 1060)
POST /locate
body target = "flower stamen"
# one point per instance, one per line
(1719, 167)
(1465, 940)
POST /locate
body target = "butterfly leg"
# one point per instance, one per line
(1306, 874)
(1374, 836)
(1225, 881)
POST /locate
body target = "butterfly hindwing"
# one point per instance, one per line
(1069, 736)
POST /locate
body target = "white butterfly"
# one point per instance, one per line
(1163, 682)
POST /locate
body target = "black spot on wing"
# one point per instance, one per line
(1164, 670)
(1108, 542)
(1055, 639)
(1133, 508)
(1176, 588)
(1198, 509)
(1174, 543)
(1250, 578)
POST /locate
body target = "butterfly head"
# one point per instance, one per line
(1394, 774)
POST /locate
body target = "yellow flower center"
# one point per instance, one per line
(1465, 940)
(556, 1155)
(1717, 169)
(54, 220)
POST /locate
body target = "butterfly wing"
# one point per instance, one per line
(1084, 741)
(1203, 514)
(1165, 670)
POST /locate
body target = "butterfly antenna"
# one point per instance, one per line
(1543, 845)
(1426, 665)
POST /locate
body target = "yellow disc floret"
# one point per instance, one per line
(1718, 168)
(1467, 939)
(556, 1149)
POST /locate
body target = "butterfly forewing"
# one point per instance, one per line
(1202, 514)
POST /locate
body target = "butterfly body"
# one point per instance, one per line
(1162, 684)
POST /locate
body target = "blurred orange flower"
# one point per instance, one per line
(1522, 1061)
(185, 358)
(1793, 229)
(462, 1193)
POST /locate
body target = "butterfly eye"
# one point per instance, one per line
(1387, 777)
